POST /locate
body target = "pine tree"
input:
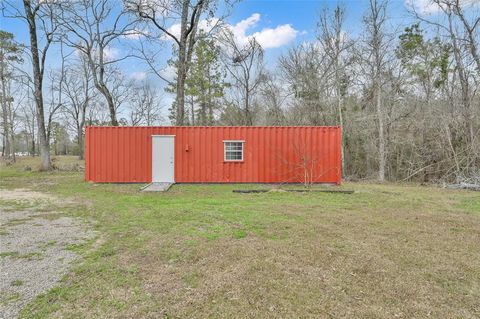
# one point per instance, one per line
(205, 81)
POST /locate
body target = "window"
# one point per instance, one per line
(233, 151)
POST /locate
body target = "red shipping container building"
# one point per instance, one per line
(191, 154)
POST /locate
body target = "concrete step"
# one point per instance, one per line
(157, 187)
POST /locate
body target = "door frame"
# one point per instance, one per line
(173, 164)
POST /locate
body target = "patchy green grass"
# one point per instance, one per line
(16, 254)
(471, 204)
(15, 222)
(31, 256)
(17, 283)
(8, 298)
(9, 254)
(202, 251)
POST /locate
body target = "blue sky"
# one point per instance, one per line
(297, 19)
(301, 14)
(277, 25)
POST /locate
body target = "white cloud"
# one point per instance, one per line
(274, 38)
(240, 29)
(138, 76)
(427, 7)
(267, 37)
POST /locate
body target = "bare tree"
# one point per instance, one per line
(374, 50)
(460, 30)
(336, 44)
(41, 18)
(408, 102)
(186, 15)
(462, 69)
(93, 27)
(144, 106)
(122, 92)
(273, 98)
(306, 70)
(306, 162)
(78, 91)
(27, 117)
(470, 27)
(56, 79)
(303, 165)
(244, 63)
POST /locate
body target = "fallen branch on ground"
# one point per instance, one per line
(472, 187)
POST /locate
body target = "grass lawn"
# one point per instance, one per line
(201, 251)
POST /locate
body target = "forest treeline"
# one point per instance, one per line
(406, 95)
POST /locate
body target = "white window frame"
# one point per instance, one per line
(225, 150)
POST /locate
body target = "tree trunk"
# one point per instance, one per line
(6, 126)
(26, 143)
(181, 76)
(462, 75)
(248, 117)
(339, 104)
(80, 126)
(80, 141)
(181, 65)
(381, 134)
(12, 134)
(33, 138)
(340, 122)
(111, 108)
(470, 31)
(210, 113)
(9, 145)
(99, 82)
(377, 20)
(111, 104)
(192, 108)
(210, 103)
(44, 144)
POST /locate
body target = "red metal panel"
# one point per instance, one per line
(271, 154)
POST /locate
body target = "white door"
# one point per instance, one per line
(163, 158)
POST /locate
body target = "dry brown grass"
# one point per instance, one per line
(389, 262)
(200, 251)
(29, 163)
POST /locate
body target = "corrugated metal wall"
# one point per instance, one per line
(271, 154)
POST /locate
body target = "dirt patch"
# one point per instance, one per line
(20, 194)
(35, 250)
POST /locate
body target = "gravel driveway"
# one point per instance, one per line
(34, 252)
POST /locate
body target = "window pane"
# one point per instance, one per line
(233, 151)
(235, 156)
(233, 146)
